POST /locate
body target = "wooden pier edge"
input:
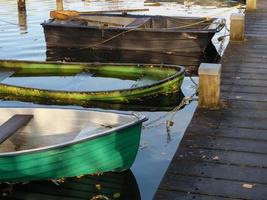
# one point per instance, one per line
(223, 154)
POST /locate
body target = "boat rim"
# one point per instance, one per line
(140, 118)
(195, 30)
(162, 81)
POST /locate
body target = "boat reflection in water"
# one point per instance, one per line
(187, 60)
(111, 185)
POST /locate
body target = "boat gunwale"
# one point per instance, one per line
(160, 82)
(139, 119)
(163, 30)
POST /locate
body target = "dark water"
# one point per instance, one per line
(26, 42)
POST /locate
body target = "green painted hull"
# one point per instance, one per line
(169, 81)
(111, 152)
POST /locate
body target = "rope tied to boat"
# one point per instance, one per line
(206, 19)
(185, 101)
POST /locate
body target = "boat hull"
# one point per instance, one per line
(112, 152)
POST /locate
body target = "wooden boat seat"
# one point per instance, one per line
(13, 124)
(103, 20)
(90, 131)
(5, 74)
(141, 23)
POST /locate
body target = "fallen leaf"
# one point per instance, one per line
(216, 158)
(98, 186)
(247, 186)
(116, 195)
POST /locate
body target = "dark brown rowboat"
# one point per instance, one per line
(133, 38)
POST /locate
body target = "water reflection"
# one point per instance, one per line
(121, 185)
(22, 17)
(188, 60)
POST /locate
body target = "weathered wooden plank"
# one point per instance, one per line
(244, 83)
(253, 115)
(222, 156)
(12, 125)
(248, 76)
(182, 195)
(246, 89)
(244, 123)
(248, 97)
(248, 105)
(214, 187)
(232, 144)
(250, 70)
(231, 132)
(219, 171)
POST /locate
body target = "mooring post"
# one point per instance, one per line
(237, 27)
(21, 5)
(251, 4)
(209, 85)
(59, 5)
(22, 16)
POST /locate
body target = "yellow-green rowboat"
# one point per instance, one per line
(148, 81)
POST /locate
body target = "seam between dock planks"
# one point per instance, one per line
(223, 155)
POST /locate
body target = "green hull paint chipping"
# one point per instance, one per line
(168, 81)
(112, 152)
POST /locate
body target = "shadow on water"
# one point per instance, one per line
(119, 185)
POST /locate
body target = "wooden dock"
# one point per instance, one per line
(223, 154)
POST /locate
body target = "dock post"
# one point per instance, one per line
(59, 5)
(251, 5)
(209, 85)
(21, 5)
(237, 29)
(22, 16)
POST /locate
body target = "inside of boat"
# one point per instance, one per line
(31, 128)
(146, 22)
(102, 78)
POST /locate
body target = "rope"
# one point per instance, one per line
(185, 101)
(9, 22)
(93, 46)
(208, 18)
(192, 80)
(169, 123)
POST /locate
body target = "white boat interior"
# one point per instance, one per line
(55, 126)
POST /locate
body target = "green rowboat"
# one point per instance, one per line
(41, 144)
(147, 81)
